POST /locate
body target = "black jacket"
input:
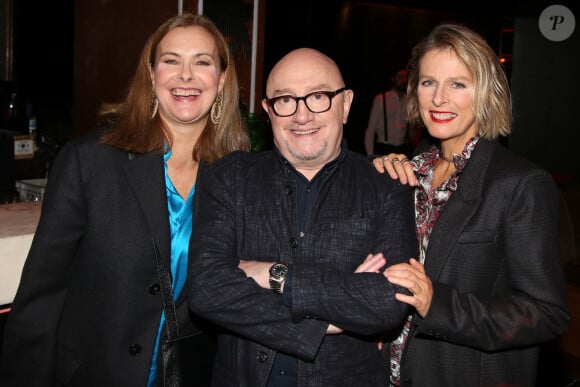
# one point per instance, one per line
(88, 307)
(249, 213)
(499, 289)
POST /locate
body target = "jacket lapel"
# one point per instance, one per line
(146, 177)
(459, 209)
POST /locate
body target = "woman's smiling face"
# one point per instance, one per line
(445, 94)
(186, 75)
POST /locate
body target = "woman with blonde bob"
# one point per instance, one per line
(89, 310)
(487, 287)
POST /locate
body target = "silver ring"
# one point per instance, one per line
(405, 160)
(386, 158)
(395, 160)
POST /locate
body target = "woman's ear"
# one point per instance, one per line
(222, 82)
(152, 75)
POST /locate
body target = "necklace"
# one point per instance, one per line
(448, 159)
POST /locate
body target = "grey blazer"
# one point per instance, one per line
(499, 290)
(88, 307)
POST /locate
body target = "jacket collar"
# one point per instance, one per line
(460, 208)
(146, 178)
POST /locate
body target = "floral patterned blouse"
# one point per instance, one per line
(429, 202)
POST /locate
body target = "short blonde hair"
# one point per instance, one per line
(491, 100)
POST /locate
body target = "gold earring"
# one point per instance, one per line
(216, 108)
(155, 103)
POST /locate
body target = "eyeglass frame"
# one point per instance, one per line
(329, 94)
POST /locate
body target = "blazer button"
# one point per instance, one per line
(293, 243)
(154, 288)
(262, 357)
(134, 349)
(289, 190)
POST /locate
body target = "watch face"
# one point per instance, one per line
(279, 270)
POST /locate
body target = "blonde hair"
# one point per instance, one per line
(491, 100)
(135, 131)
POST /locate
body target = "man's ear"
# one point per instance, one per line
(346, 104)
(265, 106)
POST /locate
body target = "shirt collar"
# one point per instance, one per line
(426, 161)
(327, 168)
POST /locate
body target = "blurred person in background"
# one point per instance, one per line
(388, 130)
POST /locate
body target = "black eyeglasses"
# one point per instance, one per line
(316, 102)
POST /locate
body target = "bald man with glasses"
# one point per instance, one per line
(291, 243)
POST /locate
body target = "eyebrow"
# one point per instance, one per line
(176, 54)
(320, 87)
(453, 79)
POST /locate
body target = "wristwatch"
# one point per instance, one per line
(278, 273)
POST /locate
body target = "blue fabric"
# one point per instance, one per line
(180, 224)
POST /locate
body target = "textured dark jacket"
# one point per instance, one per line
(88, 306)
(249, 212)
(497, 277)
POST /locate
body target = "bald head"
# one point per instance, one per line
(311, 136)
(306, 67)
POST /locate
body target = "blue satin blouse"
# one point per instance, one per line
(180, 225)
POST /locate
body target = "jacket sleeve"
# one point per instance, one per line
(525, 304)
(29, 347)
(363, 303)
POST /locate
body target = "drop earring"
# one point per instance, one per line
(216, 108)
(155, 104)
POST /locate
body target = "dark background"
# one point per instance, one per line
(368, 39)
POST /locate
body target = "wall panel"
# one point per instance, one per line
(109, 36)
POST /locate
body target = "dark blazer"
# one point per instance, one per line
(249, 212)
(89, 306)
(497, 277)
